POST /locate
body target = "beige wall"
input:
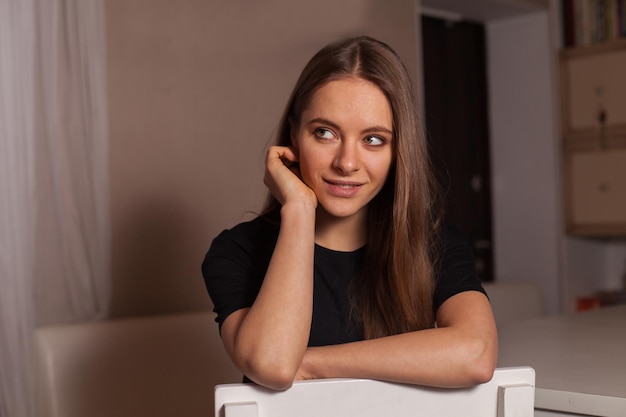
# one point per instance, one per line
(196, 88)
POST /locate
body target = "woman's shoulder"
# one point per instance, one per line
(449, 236)
(448, 228)
(262, 231)
(455, 264)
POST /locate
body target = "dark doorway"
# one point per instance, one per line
(456, 110)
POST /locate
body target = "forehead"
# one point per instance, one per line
(350, 98)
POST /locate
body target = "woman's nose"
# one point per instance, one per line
(347, 158)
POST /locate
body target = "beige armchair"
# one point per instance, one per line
(152, 366)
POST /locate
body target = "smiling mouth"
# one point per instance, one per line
(344, 189)
(346, 185)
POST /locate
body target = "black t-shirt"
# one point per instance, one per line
(235, 266)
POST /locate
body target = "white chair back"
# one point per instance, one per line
(510, 393)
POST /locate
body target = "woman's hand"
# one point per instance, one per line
(282, 177)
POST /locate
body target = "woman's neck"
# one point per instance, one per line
(345, 234)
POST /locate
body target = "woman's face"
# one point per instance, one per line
(344, 143)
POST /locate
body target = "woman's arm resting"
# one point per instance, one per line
(461, 351)
(268, 340)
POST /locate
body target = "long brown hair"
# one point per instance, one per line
(394, 292)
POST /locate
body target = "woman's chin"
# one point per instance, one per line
(340, 211)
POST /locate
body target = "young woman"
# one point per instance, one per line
(349, 271)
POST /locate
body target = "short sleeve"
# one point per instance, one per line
(235, 265)
(455, 268)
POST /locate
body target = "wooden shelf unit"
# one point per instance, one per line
(593, 124)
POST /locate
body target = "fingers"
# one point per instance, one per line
(286, 154)
(282, 175)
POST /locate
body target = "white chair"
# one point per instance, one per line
(510, 393)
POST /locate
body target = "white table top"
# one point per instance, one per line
(580, 360)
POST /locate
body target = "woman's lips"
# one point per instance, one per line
(343, 189)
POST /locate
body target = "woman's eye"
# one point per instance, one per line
(374, 140)
(324, 133)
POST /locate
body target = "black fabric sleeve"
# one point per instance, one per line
(456, 270)
(235, 265)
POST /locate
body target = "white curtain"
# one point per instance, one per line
(72, 266)
(17, 205)
(54, 208)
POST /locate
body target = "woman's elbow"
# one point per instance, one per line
(271, 374)
(481, 367)
(481, 372)
(275, 381)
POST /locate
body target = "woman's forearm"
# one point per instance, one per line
(269, 341)
(461, 354)
(396, 358)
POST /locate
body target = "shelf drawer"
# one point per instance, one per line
(597, 184)
(592, 84)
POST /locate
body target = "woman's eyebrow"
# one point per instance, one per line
(322, 121)
(378, 129)
(371, 129)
